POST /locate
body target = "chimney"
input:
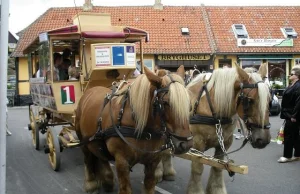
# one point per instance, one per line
(87, 6)
(158, 5)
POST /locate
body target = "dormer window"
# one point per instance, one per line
(289, 32)
(240, 31)
(185, 31)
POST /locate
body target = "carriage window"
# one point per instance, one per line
(65, 60)
(43, 63)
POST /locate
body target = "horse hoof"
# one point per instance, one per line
(159, 180)
(91, 186)
(108, 187)
(169, 177)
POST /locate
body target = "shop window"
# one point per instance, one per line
(297, 61)
(254, 63)
(147, 62)
(277, 73)
(225, 63)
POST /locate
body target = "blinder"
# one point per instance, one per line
(246, 102)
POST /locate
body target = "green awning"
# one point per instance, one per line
(265, 56)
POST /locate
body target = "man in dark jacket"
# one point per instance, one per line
(291, 113)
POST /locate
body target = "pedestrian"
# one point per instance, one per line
(291, 113)
(7, 131)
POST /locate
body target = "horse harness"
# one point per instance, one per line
(243, 99)
(117, 130)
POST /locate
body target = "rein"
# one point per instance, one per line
(125, 131)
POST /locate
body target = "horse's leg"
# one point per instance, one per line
(105, 175)
(195, 185)
(150, 180)
(165, 169)
(90, 161)
(159, 172)
(123, 170)
(216, 184)
(168, 169)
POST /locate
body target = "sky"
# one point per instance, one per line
(24, 12)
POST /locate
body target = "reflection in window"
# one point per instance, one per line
(254, 63)
(297, 61)
(147, 62)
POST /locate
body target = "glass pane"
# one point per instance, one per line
(43, 63)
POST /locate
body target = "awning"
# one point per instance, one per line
(265, 56)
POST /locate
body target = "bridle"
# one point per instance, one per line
(246, 101)
(125, 131)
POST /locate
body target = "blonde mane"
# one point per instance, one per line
(140, 101)
(263, 94)
(179, 99)
(223, 96)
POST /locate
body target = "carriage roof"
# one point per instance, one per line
(93, 30)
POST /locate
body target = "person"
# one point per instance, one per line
(57, 58)
(291, 113)
(73, 73)
(7, 131)
(63, 69)
(37, 73)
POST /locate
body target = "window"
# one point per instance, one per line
(147, 62)
(289, 32)
(254, 63)
(185, 31)
(240, 31)
(297, 61)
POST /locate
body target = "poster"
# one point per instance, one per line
(118, 55)
(130, 55)
(102, 56)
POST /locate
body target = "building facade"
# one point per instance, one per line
(194, 36)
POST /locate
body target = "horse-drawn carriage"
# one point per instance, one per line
(132, 121)
(95, 53)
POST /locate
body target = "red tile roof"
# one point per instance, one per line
(164, 27)
(210, 27)
(260, 22)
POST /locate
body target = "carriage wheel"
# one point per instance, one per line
(54, 149)
(34, 127)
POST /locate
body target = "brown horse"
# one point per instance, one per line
(231, 91)
(132, 125)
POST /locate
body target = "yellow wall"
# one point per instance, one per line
(293, 60)
(232, 57)
(23, 75)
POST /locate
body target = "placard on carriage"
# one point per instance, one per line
(109, 57)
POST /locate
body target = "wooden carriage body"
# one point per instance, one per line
(102, 54)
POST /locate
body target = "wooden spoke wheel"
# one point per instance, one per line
(54, 148)
(34, 129)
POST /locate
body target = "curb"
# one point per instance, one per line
(17, 107)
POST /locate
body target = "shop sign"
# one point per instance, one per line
(242, 42)
(183, 57)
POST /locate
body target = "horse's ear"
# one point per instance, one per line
(242, 74)
(154, 79)
(181, 71)
(263, 70)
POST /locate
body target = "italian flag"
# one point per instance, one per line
(67, 94)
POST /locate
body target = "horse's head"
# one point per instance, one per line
(252, 104)
(169, 107)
